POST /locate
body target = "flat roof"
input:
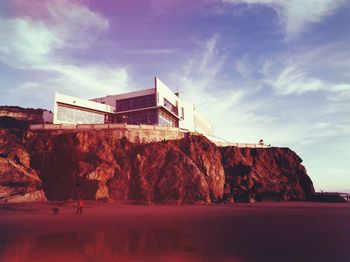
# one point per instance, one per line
(82, 103)
(144, 92)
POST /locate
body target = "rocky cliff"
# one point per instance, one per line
(94, 165)
(266, 174)
(18, 181)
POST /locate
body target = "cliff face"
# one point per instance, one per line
(22, 115)
(18, 181)
(93, 165)
(266, 174)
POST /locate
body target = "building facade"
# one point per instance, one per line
(153, 106)
(73, 110)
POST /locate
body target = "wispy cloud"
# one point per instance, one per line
(200, 71)
(42, 43)
(292, 80)
(163, 51)
(297, 15)
(227, 104)
(309, 94)
(272, 101)
(310, 71)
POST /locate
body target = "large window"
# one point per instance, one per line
(76, 116)
(166, 120)
(170, 106)
(135, 103)
(141, 117)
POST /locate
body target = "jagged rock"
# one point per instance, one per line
(206, 156)
(76, 165)
(18, 182)
(119, 184)
(266, 174)
(96, 165)
(163, 173)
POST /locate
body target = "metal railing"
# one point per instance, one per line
(242, 145)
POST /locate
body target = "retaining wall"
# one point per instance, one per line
(134, 133)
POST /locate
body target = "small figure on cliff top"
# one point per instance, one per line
(80, 207)
(261, 142)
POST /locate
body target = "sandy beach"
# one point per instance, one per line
(284, 231)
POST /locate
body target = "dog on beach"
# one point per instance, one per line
(55, 210)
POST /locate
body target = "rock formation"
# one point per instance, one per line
(96, 165)
(18, 181)
(266, 174)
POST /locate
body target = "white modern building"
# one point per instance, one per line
(154, 106)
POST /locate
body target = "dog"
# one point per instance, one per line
(55, 210)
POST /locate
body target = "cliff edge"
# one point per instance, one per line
(94, 165)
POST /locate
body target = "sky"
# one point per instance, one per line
(272, 69)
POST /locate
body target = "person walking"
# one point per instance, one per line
(227, 193)
(80, 207)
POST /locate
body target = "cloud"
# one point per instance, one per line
(93, 81)
(200, 71)
(292, 80)
(306, 95)
(229, 105)
(28, 40)
(297, 15)
(44, 44)
(272, 101)
(309, 71)
(26, 43)
(159, 51)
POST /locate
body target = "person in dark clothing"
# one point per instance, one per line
(227, 193)
(80, 207)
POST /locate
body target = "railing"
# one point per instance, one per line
(223, 143)
(242, 145)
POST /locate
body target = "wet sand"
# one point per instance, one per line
(293, 231)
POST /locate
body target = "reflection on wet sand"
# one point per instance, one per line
(135, 244)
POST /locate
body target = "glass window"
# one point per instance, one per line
(135, 103)
(170, 106)
(76, 116)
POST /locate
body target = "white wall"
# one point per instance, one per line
(188, 121)
(164, 92)
(193, 120)
(78, 102)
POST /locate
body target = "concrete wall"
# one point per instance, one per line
(48, 117)
(135, 133)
